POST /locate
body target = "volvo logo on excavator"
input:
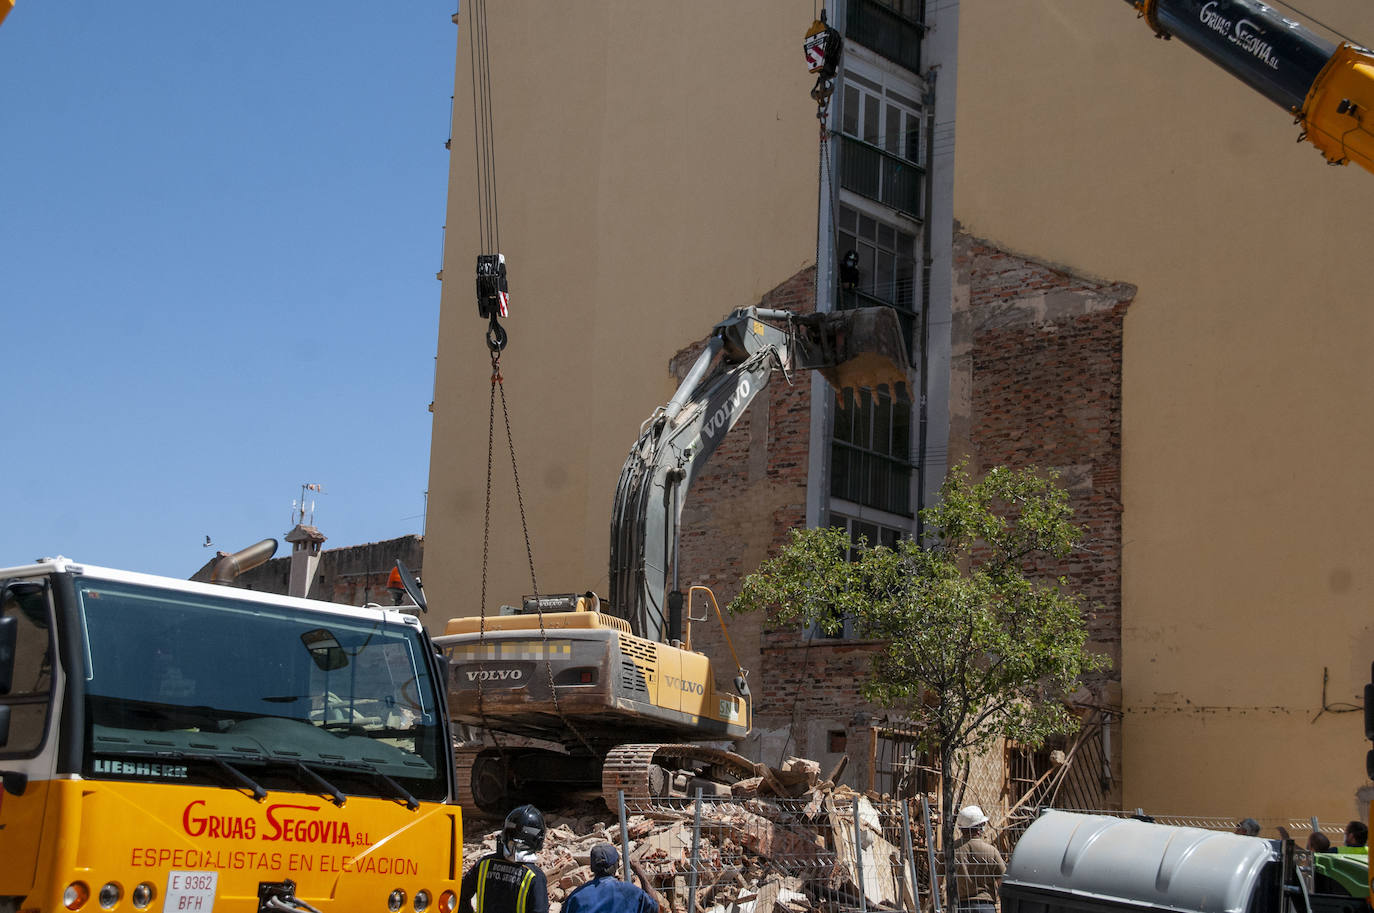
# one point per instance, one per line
(720, 419)
(494, 675)
(684, 685)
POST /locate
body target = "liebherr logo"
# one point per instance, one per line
(721, 417)
(683, 685)
(493, 675)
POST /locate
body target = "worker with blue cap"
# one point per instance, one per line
(605, 893)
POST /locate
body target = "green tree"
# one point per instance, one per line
(979, 640)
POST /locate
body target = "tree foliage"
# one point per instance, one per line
(977, 641)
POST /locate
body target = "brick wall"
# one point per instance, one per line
(1036, 381)
(1037, 362)
(740, 511)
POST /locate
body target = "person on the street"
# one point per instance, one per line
(979, 867)
(605, 893)
(1356, 834)
(508, 881)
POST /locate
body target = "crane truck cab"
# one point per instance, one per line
(172, 745)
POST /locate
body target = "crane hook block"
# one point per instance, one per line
(822, 47)
(493, 295)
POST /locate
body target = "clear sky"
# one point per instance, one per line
(220, 226)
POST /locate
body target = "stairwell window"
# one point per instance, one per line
(881, 148)
(870, 454)
(883, 118)
(891, 28)
(862, 533)
(886, 265)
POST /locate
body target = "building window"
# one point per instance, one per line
(882, 153)
(901, 766)
(862, 533)
(870, 454)
(882, 117)
(892, 28)
(886, 266)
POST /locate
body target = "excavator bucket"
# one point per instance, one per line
(862, 347)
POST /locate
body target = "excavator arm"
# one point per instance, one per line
(855, 348)
(1328, 88)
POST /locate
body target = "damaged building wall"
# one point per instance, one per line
(1037, 382)
(741, 510)
(1246, 421)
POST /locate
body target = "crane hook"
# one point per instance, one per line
(496, 335)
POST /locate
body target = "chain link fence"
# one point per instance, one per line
(833, 852)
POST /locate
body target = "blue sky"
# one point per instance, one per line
(219, 229)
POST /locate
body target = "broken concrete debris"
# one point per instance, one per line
(784, 842)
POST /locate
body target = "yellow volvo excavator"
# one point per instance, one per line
(611, 693)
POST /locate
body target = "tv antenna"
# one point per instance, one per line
(303, 511)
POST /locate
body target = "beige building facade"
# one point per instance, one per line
(1246, 623)
(639, 151)
(657, 167)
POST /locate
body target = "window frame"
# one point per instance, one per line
(49, 698)
(814, 632)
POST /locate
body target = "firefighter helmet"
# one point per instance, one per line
(524, 829)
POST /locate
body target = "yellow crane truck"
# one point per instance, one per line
(168, 745)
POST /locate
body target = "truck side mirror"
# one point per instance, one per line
(9, 639)
(4, 725)
(411, 584)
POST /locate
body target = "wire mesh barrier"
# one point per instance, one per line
(834, 852)
(827, 851)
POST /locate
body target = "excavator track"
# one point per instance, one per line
(481, 780)
(463, 759)
(656, 778)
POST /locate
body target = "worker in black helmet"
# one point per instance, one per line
(508, 881)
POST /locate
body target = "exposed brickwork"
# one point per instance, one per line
(741, 510)
(1041, 350)
(1036, 359)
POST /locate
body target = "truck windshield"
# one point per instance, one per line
(224, 690)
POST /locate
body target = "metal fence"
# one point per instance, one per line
(834, 852)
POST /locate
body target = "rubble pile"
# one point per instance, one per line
(783, 842)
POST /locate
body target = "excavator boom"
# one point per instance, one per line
(863, 347)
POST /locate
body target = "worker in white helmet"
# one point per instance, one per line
(978, 866)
